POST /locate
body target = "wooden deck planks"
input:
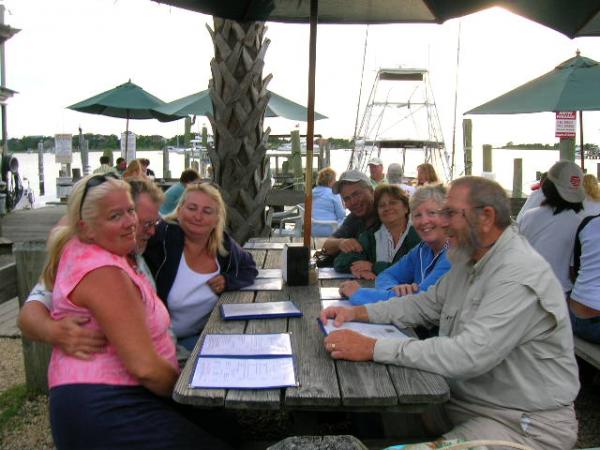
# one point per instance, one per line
(8, 318)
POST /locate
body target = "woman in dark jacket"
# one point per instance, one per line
(193, 260)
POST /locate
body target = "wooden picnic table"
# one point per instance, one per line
(325, 384)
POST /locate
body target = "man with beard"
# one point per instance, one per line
(505, 343)
(357, 193)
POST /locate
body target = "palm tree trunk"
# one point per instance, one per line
(239, 95)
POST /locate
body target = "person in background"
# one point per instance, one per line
(175, 192)
(551, 227)
(535, 199)
(121, 166)
(584, 299)
(145, 166)
(591, 203)
(426, 175)
(423, 266)
(105, 166)
(357, 194)
(395, 175)
(326, 205)
(376, 171)
(135, 170)
(386, 245)
(193, 260)
(70, 333)
(119, 398)
(505, 343)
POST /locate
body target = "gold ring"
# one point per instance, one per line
(332, 346)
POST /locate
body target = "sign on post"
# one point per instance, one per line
(63, 148)
(129, 152)
(566, 124)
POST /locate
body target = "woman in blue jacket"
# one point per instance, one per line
(326, 205)
(193, 260)
(423, 265)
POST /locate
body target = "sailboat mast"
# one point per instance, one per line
(362, 76)
(455, 102)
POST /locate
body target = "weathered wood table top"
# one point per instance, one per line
(325, 384)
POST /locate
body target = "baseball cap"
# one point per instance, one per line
(568, 179)
(350, 176)
(375, 161)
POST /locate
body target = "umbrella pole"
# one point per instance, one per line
(127, 137)
(581, 151)
(310, 126)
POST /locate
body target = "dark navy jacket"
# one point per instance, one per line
(163, 255)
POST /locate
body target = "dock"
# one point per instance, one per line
(20, 226)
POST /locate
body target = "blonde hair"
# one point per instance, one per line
(429, 173)
(326, 176)
(76, 212)
(590, 184)
(134, 170)
(215, 240)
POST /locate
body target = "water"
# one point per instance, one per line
(502, 163)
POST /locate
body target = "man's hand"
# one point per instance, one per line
(405, 289)
(340, 314)
(350, 345)
(363, 269)
(76, 340)
(350, 245)
(217, 284)
(348, 288)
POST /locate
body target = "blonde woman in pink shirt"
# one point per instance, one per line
(120, 397)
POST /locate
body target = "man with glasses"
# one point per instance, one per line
(505, 343)
(357, 193)
(69, 333)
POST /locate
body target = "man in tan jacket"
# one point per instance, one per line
(505, 343)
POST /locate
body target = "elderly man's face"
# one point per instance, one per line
(376, 171)
(461, 223)
(147, 212)
(357, 198)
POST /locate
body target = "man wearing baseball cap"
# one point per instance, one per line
(357, 193)
(550, 228)
(376, 170)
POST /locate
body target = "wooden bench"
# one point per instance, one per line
(588, 351)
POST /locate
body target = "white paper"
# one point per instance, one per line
(264, 245)
(373, 330)
(269, 273)
(265, 284)
(234, 373)
(232, 310)
(330, 293)
(329, 273)
(328, 303)
(278, 344)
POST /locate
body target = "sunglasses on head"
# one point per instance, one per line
(94, 181)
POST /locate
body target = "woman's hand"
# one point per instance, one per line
(217, 284)
(348, 288)
(405, 289)
(363, 269)
(350, 345)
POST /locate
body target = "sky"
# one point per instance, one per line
(69, 50)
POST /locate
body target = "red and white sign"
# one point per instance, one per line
(565, 124)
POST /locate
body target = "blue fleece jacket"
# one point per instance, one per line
(420, 266)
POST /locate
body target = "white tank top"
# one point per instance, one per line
(190, 299)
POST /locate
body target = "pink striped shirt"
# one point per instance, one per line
(76, 261)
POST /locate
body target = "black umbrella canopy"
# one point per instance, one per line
(573, 18)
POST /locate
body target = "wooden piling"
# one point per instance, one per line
(517, 191)
(487, 158)
(165, 161)
(567, 149)
(468, 145)
(187, 137)
(42, 188)
(598, 170)
(30, 257)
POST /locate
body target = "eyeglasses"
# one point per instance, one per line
(93, 182)
(354, 196)
(449, 213)
(147, 226)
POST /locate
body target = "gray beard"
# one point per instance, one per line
(465, 250)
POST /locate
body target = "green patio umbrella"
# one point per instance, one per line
(572, 18)
(570, 86)
(200, 104)
(126, 101)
